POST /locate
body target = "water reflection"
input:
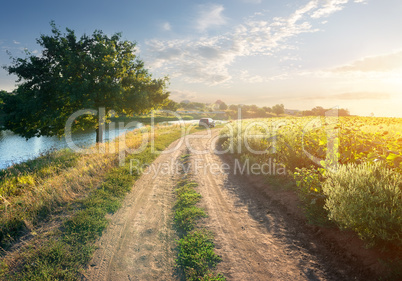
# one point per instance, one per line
(15, 149)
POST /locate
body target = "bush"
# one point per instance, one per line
(366, 198)
(309, 183)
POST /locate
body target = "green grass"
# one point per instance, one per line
(14, 184)
(196, 256)
(21, 176)
(63, 253)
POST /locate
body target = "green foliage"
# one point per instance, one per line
(3, 95)
(91, 72)
(223, 106)
(366, 198)
(278, 109)
(19, 177)
(186, 213)
(344, 143)
(186, 218)
(197, 256)
(170, 105)
(309, 182)
(320, 111)
(186, 199)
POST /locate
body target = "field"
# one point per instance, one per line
(346, 170)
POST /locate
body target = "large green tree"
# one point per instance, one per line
(92, 72)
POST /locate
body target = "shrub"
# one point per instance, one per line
(366, 198)
(309, 183)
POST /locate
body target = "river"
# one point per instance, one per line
(15, 149)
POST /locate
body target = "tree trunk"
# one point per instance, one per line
(99, 134)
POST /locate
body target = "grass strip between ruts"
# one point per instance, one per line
(196, 256)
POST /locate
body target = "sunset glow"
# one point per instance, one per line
(345, 53)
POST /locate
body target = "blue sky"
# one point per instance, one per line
(301, 53)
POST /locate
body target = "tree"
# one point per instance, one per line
(171, 105)
(318, 111)
(3, 95)
(260, 112)
(254, 108)
(233, 107)
(344, 112)
(92, 72)
(278, 109)
(223, 106)
(267, 109)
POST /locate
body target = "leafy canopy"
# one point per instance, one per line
(72, 74)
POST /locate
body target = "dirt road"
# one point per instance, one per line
(139, 243)
(256, 237)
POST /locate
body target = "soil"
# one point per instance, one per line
(260, 233)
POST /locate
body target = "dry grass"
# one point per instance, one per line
(30, 195)
(57, 203)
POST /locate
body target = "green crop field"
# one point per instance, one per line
(346, 170)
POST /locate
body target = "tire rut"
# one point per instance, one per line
(139, 242)
(252, 236)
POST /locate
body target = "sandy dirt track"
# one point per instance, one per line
(255, 236)
(139, 243)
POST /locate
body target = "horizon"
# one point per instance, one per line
(302, 54)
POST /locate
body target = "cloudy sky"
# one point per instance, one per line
(301, 53)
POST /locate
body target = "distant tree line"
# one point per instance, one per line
(248, 111)
(320, 111)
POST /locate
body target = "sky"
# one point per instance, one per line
(300, 53)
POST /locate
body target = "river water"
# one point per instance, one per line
(15, 149)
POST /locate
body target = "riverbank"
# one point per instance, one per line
(54, 208)
(15, 149)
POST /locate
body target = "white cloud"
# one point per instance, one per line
(207, 59)
(380, 63)
(351, 96)
(196, 61)
(179, 95)
(245, 76)
(16, 42)
(210, 15)
(328, 8)
(252, 1)
(166, 26)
